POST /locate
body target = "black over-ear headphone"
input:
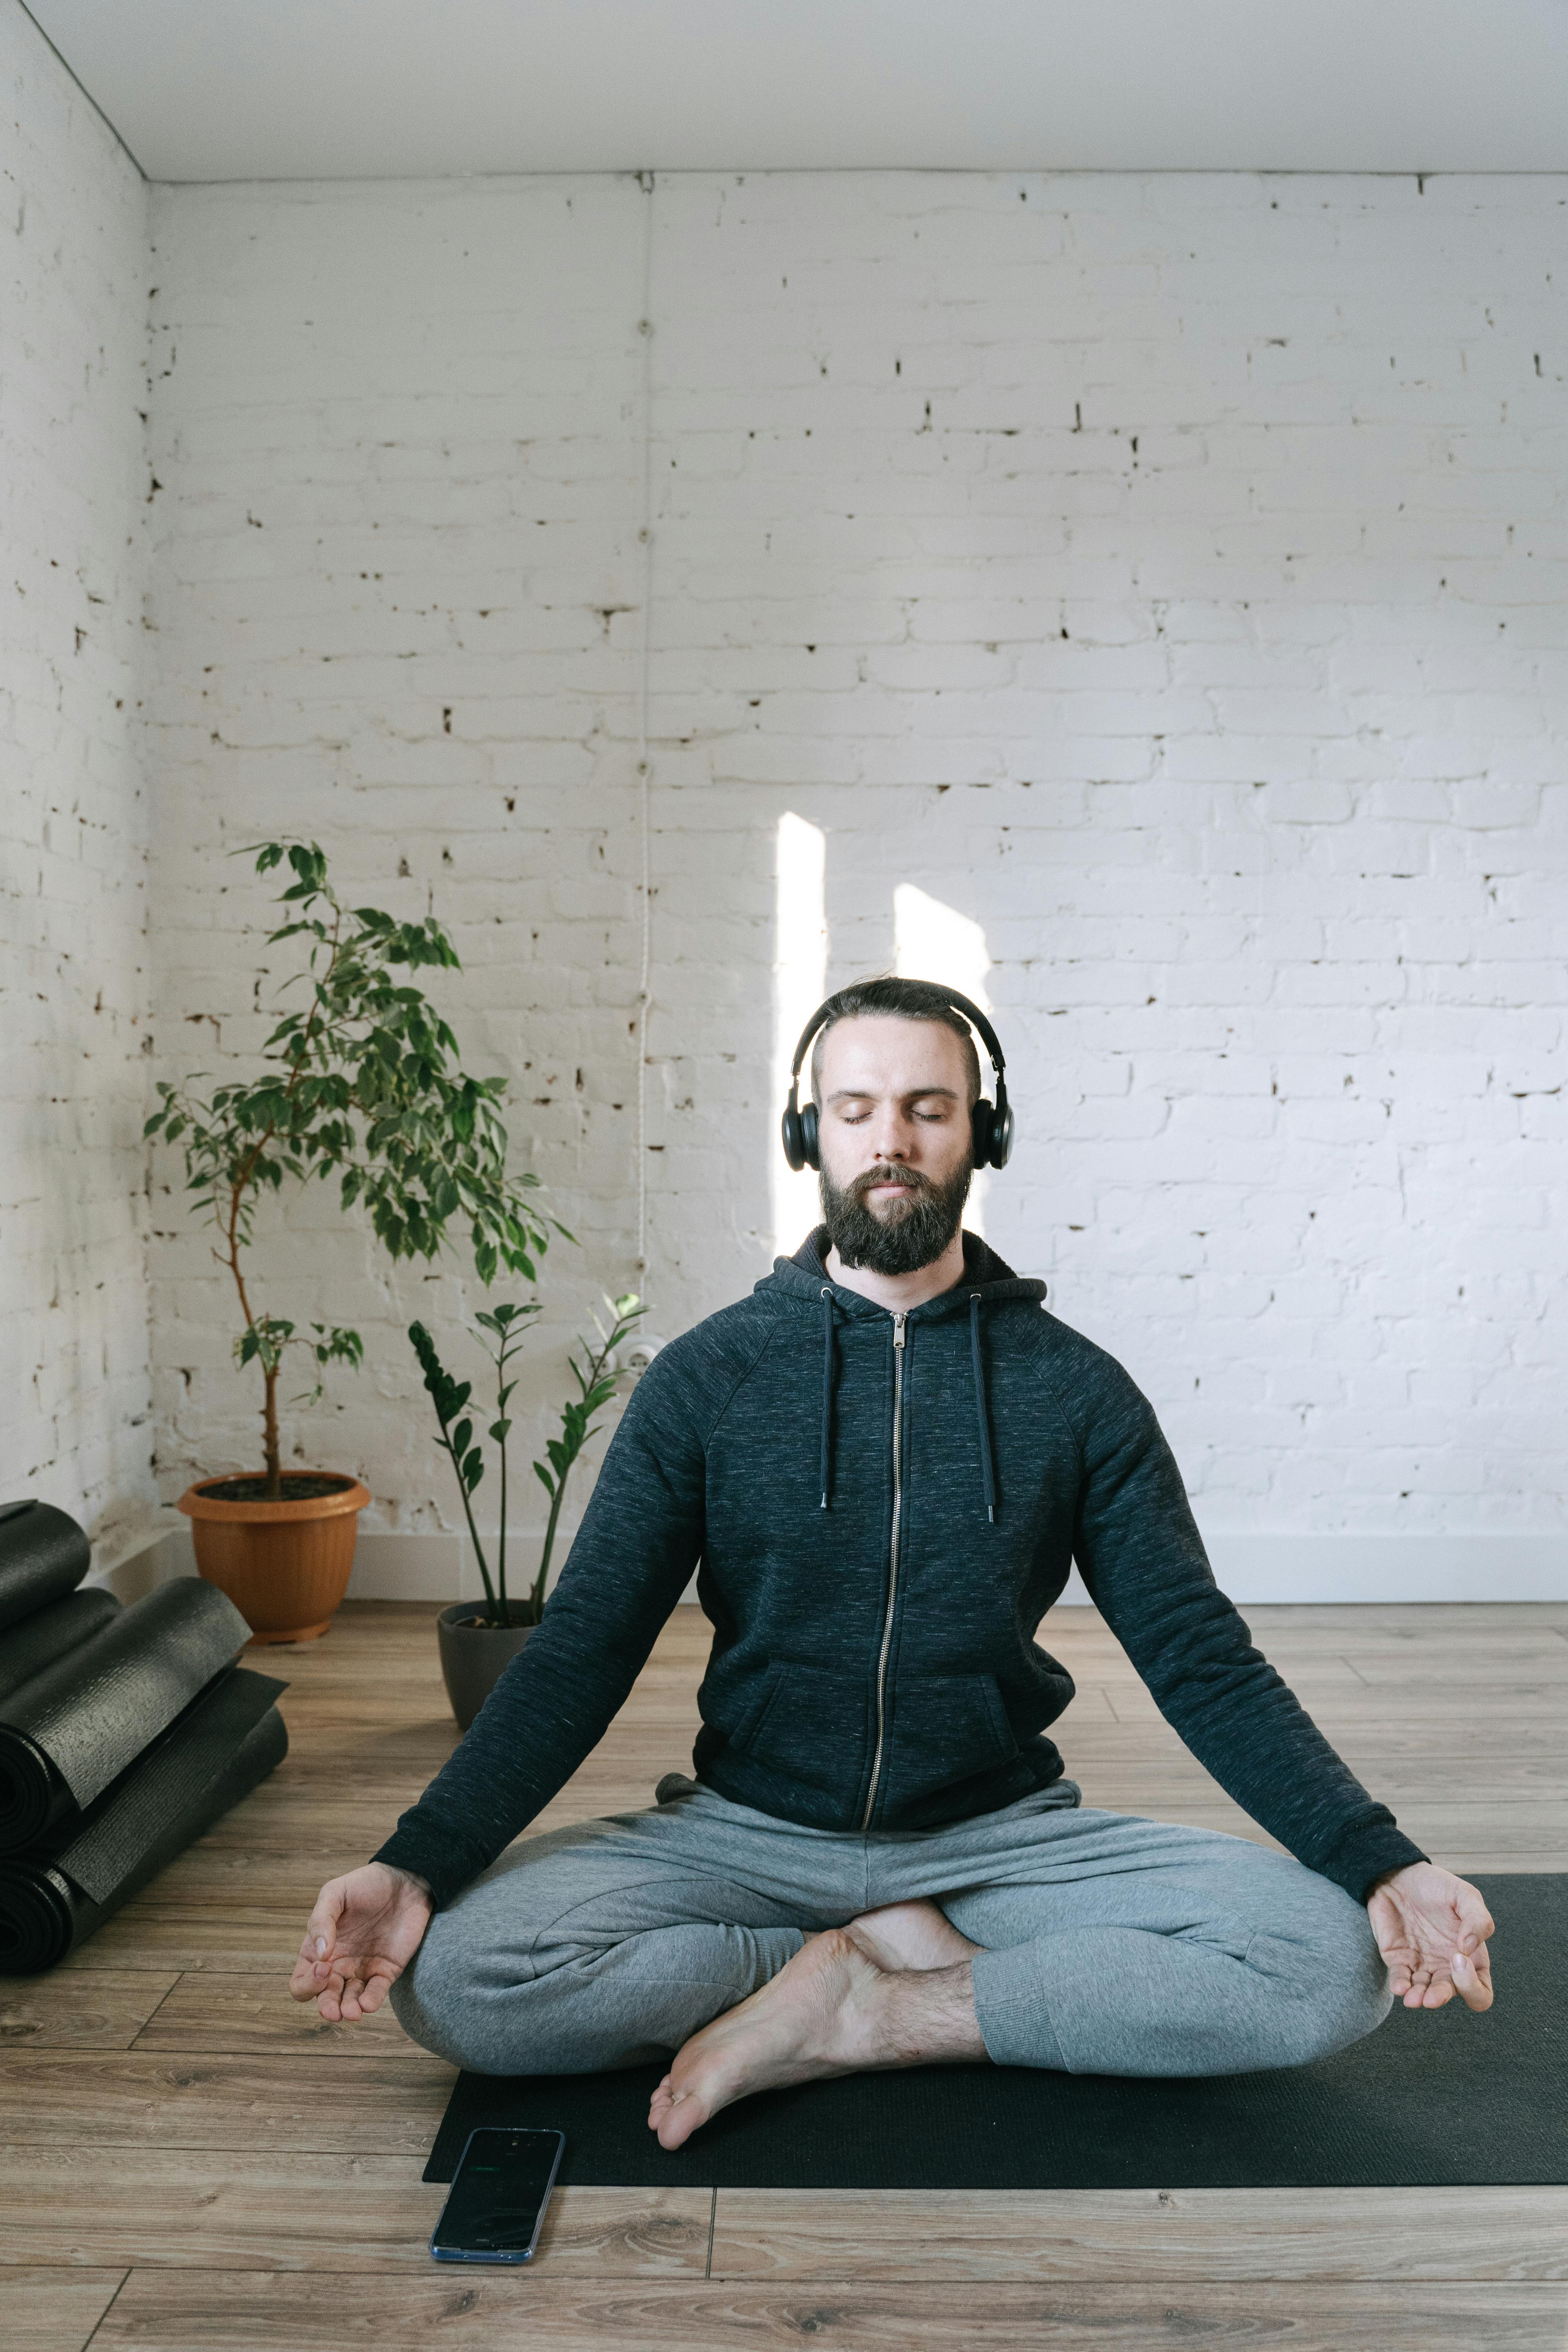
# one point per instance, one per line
(991, 1123)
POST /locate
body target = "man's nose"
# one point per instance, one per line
(891, 1138)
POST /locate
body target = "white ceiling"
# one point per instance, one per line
(239, 89)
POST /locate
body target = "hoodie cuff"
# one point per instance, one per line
(443, 1862)
(1365, 1854)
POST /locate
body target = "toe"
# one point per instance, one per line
(681, 2119)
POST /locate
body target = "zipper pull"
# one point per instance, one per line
(898, 1330)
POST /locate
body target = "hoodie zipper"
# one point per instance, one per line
(898, 1322)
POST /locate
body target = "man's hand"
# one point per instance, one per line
(365, 1930)
(1432, 1931)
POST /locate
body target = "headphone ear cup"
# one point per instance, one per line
(811, 1155)
(981, 1121)
(790, 1137)
(1000, 1138)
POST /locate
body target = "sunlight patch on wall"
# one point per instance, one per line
(800, 983)
(934, 941)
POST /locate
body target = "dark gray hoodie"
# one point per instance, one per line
(884, 1508)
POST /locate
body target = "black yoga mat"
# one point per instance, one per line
(36, 1641)
(76, 1725)
(1440, 2099)
(217, 1752)
(44, 1555)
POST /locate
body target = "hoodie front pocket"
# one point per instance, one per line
(812, 1727)
(944, 1728)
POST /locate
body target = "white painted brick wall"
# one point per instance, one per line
(75, 1406)
(397, 429)
(1166, 574)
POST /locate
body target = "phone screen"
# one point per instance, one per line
(498, 2196)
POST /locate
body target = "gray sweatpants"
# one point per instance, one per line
(1112, 1946)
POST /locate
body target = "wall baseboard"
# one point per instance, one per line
(153, 1557)
(1258, 1569)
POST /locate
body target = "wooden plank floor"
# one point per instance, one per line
(188, 2159)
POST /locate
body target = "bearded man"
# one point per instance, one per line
(883, 1465)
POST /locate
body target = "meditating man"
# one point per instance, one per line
(882, 1464)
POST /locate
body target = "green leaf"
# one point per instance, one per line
(501, 1431)
(545, 1480)
(361, 1077)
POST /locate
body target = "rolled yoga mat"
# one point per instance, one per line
(80, 1722)
(217, 1752)
(37, 1642)
(44, 1555)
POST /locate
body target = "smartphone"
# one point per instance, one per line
(499, 2194)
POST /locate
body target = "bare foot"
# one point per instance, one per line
(819, 2016)
(917, 1935)
(829, 2010)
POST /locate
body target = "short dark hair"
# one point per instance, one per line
(908, 1000)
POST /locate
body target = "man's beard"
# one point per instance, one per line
(914, 1234)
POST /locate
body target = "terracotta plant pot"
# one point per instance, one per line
(285, 1565)
(473, 1655)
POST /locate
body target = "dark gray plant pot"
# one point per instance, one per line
(472, 1657)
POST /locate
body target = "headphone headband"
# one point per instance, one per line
(950, 996)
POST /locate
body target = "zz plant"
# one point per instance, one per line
(361, 1081)
(597, 1378)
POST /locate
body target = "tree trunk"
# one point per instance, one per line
(270, 1427)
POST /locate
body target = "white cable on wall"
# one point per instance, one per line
(644, 535)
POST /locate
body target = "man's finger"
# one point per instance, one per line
(1473, 1989)
(305, 1983)
(376, 1993)
(355, 2005)
(321, 1926)
(307, 1965)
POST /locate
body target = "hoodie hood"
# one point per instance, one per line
(801, 1277)
(987, 1281)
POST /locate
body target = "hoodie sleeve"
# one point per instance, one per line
(640, 1539)
(1142, 1560)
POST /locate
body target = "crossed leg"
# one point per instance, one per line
(761, 1953)
(1111, 1946)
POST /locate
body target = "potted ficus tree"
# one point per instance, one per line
(360, 1081)
(478, 1639)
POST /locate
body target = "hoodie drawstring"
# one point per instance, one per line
(981, 1414)
(827, 1353)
